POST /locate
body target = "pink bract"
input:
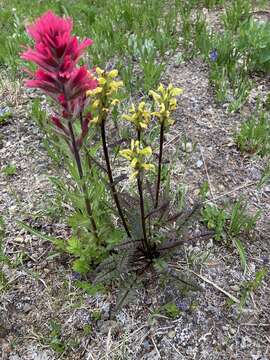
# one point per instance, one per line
(56, 53)
(55, 48)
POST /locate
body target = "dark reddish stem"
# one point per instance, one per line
(80, 171)
(146, 245)
(161, 141)
(110, 175)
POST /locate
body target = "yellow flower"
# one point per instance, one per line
(104, 95)
(96, 91)
(113, 74)
(102, 81)
(114, 86)
(166, 103)
(99, 71)
(137, 155)
(96, 104)
(140, 117)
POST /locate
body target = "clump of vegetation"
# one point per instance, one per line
(229, 226)
(116, 229)
(254, 135)
(9, 170)
(126, 221)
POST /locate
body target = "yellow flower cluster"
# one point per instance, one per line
(104, 94)
(137, 156)
(165, 99)
(140, 117)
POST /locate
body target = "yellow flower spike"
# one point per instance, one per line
(127, 117)
(136, 155)
(96, 104)
(147, 167)
(115, 85)
(132, 109)
(134, 144)
(161, 89)
(95, 120)
(176, 91)
(141, 106)
(95, 91)
(143, 125)
(102, 81)
(99, 71)
(146, 151)
(173, 103)
(165, 103)
(115, 102)
(155, 96)
(113, 74)
(126, 153)
(140, 117)
(134, 163)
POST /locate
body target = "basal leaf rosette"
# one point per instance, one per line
(104, 96)
(140, 117)
(137, 156)
(166, 102)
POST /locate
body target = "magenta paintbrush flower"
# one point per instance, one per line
(55, 48)
(56, 53)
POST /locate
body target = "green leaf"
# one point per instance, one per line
(81, 266)
(59, 243)
(242, 254)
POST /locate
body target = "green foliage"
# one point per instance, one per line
(96, 315)
(236, 13)
(265, 176)
(9, 170)
(230, 225)
(4, 117)
(254, 135)
(98, 20)
(215, 219)
(171, 310)
(55, 340)
(249, 287)
(240, 221)
(90, 289)
(122, 230)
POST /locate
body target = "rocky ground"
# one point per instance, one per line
(42, 310)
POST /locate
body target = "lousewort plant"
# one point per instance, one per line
(140, 208)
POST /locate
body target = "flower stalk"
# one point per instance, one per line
(110, 175)
(146, 245)
(84, 189)
(161, 142)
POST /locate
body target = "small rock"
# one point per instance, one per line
(199, 164)
(245, 342)
(255, 173)
(210, 244)
(221, 187)
(171, 334)
(187, 147)
(146, 345)
(235, 288)
(27, 308)
(106, 325)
